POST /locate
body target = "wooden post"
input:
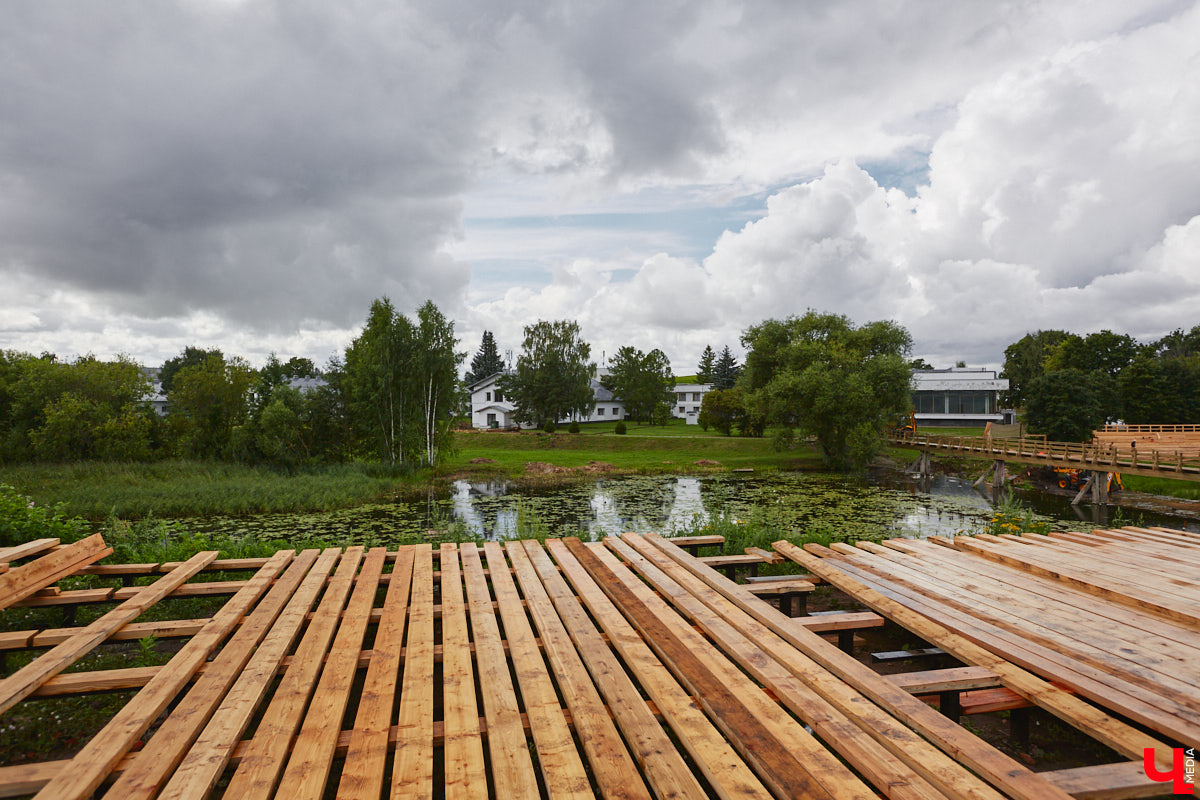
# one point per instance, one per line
(984, 476)
(998, 474)
(1084, 490)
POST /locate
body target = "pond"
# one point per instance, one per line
(884, 505)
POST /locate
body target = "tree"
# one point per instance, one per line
(208, 402)
(552, 379)
(1104, 351)
(1024, 362)
(436, 373)
(486, 361)
(842, 384)
(190, 357)
(726, 370)
(644, 381)
(378, 381)
(1068, 404)
(721, 409)
(704, 372)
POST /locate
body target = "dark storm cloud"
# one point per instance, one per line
(260, 160)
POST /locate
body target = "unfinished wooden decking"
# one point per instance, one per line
(622, 669)
(1112, 615)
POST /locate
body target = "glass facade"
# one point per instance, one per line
(943, 402)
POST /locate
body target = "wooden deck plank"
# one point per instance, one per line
(512, 769)
(465, 775)
(1092, 721)
(1124, 691)
(412, 774)
(665, 769)
(312, 752)
(213, 715)
(889, 755)
(366, 759)
(941, 680)
(257, 775)
(562, 768)
(764, 734)
(611, 764)
(725, 770)
(26, 549)
(20, 582)
(1001, 771)
(1119, 781)
(24, 681)
(92, 764)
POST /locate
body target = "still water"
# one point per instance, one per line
(887, 504)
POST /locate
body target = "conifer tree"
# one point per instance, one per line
(486, 361)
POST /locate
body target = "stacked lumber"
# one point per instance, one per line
(51, 565)
(1111, 615)
(1166, 440)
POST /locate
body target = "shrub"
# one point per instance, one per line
(620, 428)
(23, 521)
(549, 426)
(573, 427)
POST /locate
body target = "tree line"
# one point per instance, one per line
(389, 397)
(1069, 385)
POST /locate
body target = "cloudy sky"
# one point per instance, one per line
(251, 174)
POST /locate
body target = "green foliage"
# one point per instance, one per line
(721, 410)
(1161, 390)
(402, 383)
(842, 384)
(552, 379)
(59, 411)
(1067, 405)
(1024, 362)
(1011, 517)
(573, 427)
(548, 426)
(190, 357)
(620, 429)
(487, 361)
(208, 401)
(21, 520)
(725, 371)
(644, 381)
(708, 360)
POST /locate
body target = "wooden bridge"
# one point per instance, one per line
(623, 669)
(1102, 456)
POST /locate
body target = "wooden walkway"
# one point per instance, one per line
(622, 669)
(1096, 456)
(1113, 616)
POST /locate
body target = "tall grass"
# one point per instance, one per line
(99, 490)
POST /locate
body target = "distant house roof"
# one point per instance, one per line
(479, 384)
(307, 384)
(601, 394)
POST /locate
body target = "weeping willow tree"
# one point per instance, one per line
(402, 380)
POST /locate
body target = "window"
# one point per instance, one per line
(695, 397)
(492, 422)
(695, 409)
(681, 409)
(682, 396)
(600, 412)
(616, 412)
(499, 396)
(489, 397)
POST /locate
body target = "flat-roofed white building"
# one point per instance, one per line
(688, 398)
(958, 397)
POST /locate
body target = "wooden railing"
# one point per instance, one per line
(1106, 456)
(1122, 428)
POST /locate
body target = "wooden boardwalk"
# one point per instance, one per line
(1101, 456)
(622, 669)
(1113, 616)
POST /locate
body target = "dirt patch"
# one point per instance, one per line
(707, 462)
(483, 461)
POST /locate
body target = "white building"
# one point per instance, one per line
(489, 409)
(958, 397)
(688, 398)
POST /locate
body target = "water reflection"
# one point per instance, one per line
(888, 504)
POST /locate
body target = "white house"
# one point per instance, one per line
(688, 397)
(489, 409)
(958, 397)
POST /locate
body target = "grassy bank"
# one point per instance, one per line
(100, 490)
